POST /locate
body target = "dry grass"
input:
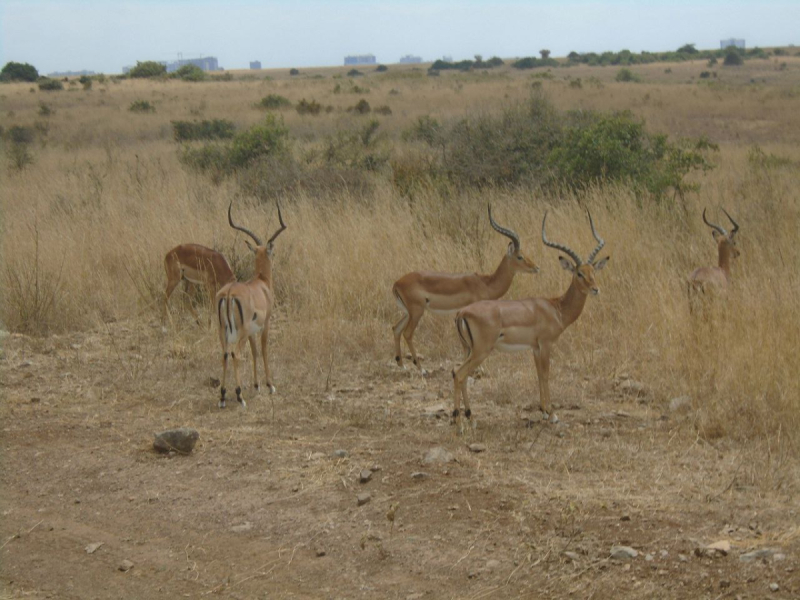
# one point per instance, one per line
(85, 229)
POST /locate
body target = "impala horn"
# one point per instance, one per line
(717, 228)
(242, 229)
(561, 247)
(600, 242)
(506, 232)
(282, 227)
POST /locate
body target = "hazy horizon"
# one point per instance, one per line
(105, 36)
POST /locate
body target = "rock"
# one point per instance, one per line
(492, 565)
(760, 554)
(724, 583)
(125, 565)
(571, 556)
(437, 455)
(554, 420)
(774, 587)
(320, 552)
(92, 548)
(317, 455)
(437, 411)
(680, 404)
(722, 548)
(683, 558)
(340, 453)
(648, 557)
(365, 476)
(419, 475)
(623, 552)
(625, 518)
(246, 526)
(180, 440)
(477, 448)
(633, 387)
(362, 499)
(778, 557)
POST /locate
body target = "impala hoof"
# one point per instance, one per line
(272, 389)
(221, 404)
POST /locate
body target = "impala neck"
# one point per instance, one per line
(264, 269)
(571, 304)
(725, 259)
(499, 281)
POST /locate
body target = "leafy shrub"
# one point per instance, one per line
(531, 62)
(212, 159)
(427, 129)
(14, 71)
(50, 85)
(381, 68)
(688, 49)
(19, 134)
(383, 110)
(274, 102)
(267, 139)
(705, 74)
(760, 159)
(576, 83)
(362, 107)
(189, 73)
(142, 106)
(732, 58)
(45, 110)
(86, 82)
(294, 72)
(147, 69)
(216, 129)
(712, 61)
(305, 107)
(227, 76)
(354, 73)
(626, 75)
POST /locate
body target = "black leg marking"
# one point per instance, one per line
(397, 358)
(455, 413)
(256, 387)
(468, 413)
(233, 355)
(222, 398)
(241, 314)
(239, 395)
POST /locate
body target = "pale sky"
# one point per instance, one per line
(105, 35)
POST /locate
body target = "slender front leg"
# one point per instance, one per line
(224, 370)
(265, 357)
(415, 314)
(236, 356)
(252, 340)
(543, 371)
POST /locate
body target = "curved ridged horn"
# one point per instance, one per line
(242, 229)
(600, 242)
(506, 232)
(735, 224)
(282, 227)
(561, 247)
(718, 229)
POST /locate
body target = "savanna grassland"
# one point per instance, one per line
(676, 430)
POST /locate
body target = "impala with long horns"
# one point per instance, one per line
(718, 276)
(244, 309)
(535, 323)
(445, 293)
(195, 265)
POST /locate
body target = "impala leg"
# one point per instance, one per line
(542, 359)
(236, 358)
(252, 340)
(460, 376)
(189, 290)
(224, 368)
(173, 279)
(415, 314)
(398, 331)
(265, 357)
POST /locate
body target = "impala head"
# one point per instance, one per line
(582, 272)
(261, 250)
(726, 242)
(518, 261)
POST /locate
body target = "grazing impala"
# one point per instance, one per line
(244, 309)
(445, 293)
(720, 276)
(195, 264)
(535, 323)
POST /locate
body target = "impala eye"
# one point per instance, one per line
(519, 258)
(580, 274)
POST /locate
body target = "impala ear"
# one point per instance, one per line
(510, 250)
(716, 235)
(566, 264)
(270, 249)
(249, 245)
(598, 266)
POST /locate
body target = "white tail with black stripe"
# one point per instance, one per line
(243, 312)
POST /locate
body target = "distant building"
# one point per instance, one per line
(447, 58)
(70, 73)
(255, 65)
(410, 58)
(732, 42)
(361, 59)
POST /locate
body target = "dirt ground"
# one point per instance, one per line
(264, 507)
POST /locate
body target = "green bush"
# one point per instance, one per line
(86, 82)
(148, 69)
(381, 68)
(189, 73)
(274, 102)
(426, 129)
(14, 71)
(142, 106)
(50, 85)
(362, 107)
(270, 138)
(308, 108)
(732, 58)
(531, 62)
(384, 110)
(215, 129)
(45, 110)
(294, 72)
(222, 77)
(626, 75)
(19, 134)
(354, 73)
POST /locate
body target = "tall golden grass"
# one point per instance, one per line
(86, 226)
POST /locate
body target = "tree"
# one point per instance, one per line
(688, 49)
(148, 68)
(545, 53)
(190, 73)
(732, 57)
(14, 71)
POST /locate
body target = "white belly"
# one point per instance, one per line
(511, 347)
(446, 313)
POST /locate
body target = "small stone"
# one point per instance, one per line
(92, 548)
(317, 455)
(362, 499)
(683, 558)
(437, 455)
(437, 411)
(320, 552)
(648, 557)
(722, 548)
(375, 468)
(554, 420)
(774, 587)
(625, 518)
(340, 453)
(664, 553)
(125, 565)
(724, 583)
(623, 552)
(246, 526)
(25, 364)
(419, 475)
(365, 476)
(760, 554)
(778, 557)
(680, 404)
(477, 448)
(180, 440)
(571, 556)
(627, 567)
(492, 565)
(633, 387)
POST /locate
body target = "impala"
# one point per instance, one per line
(244, 309)
(719, 276)
(535, 323)
(195, 264)
(445, 293)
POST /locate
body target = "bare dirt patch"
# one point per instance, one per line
(265, 507)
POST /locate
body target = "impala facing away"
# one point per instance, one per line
(244, 309)
(535, 323)
(720, 276)
(445, 293)
(195, 264)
